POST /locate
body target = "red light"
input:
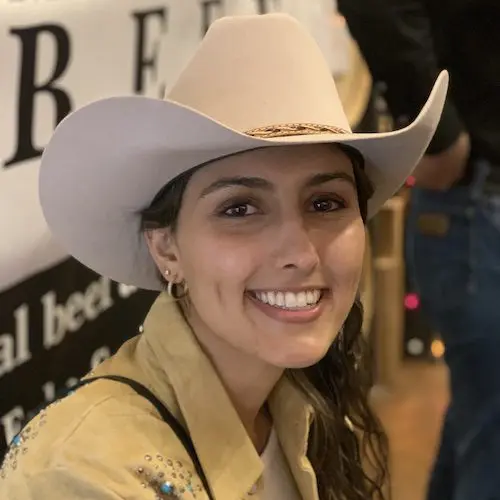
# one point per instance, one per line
(410, 182)
(412, 301)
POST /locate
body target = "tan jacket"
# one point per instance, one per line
(105, 442)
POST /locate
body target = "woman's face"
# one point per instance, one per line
(270, 243)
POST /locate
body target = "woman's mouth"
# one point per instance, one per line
(290, 306)
(290, 300)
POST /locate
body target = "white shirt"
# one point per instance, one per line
(277, 480)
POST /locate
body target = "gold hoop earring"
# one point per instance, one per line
(173, 292)
(170, 283)
(183, 293)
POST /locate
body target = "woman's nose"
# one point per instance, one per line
(296, 249)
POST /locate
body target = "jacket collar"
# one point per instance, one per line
(180, 368)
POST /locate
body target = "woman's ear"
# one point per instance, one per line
(164, 251)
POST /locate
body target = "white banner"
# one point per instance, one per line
(58, 55)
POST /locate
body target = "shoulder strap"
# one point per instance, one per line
(166, 415)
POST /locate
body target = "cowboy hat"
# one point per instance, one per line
(255, 81)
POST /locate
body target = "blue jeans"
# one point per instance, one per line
(453, 258)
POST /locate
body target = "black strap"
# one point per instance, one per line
(166, 415)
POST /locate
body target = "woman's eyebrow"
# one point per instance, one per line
(322, 178)
(260, 183)
(250, 182)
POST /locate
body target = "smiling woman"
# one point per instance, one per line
(250, 376)
(282, 233)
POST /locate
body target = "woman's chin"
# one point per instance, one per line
(299, 359)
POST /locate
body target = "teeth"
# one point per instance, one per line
(290, 300)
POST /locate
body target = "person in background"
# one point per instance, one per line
(243, 197)
(453, 229)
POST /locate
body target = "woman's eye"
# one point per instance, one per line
(326, 205)
(240, 210)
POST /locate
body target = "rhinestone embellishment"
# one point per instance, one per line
(168, 478)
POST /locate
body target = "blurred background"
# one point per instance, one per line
(58, 319)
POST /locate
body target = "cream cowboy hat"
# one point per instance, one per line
(254, 81)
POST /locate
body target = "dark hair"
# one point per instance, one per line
(348, 448)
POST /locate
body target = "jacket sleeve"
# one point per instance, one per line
(396, 41)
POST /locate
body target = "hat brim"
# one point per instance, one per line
(108, 160)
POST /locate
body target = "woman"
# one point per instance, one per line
(249, 378)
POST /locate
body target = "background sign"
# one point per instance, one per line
(57, 318)
(58, 325)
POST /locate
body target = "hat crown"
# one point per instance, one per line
(260, 70)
